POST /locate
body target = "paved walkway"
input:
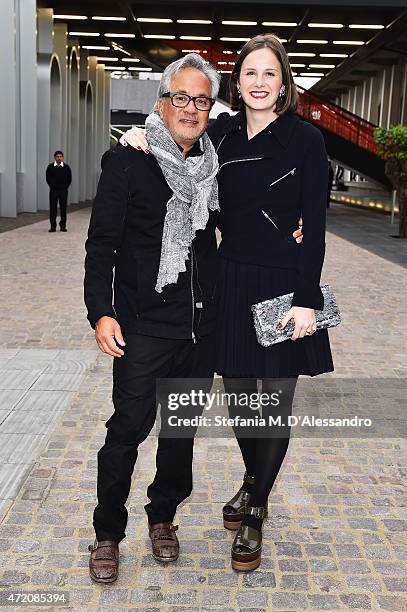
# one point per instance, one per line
(336, 536)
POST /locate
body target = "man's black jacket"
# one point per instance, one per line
(125, 234)
(58, 177)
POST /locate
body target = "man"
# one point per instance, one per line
(153, 222)
(58, 177)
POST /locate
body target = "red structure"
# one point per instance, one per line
(337, 120)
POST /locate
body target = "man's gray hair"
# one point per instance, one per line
(191, 60)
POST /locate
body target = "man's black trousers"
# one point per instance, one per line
(134, 398)
(55, 196)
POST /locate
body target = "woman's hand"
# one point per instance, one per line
(298, 235)
(304, 320)
(136, 137)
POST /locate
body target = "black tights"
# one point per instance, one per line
(264, 454)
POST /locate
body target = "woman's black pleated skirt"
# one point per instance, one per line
(238, 352)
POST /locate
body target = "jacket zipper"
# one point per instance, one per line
(192, 294)
(270, 219)
(236, 161)
(198, 304)
(282, 177)
(276, 226)
(218, 147)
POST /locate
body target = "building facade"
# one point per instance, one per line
(54, 95)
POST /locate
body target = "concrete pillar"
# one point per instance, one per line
(397, 92)
(83, 84)
(55, 117)
(348, 99)
(26, 105)
(106, 145)
(60, 49)
(358, 100)
(374, 98)
(44, 54)
(73, 123)
(365, 99)
(386, 86)
(99, 118)
(8, 186)
(353, 99)
(90, 141)
(91, 146)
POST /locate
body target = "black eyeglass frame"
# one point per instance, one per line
(169, 94)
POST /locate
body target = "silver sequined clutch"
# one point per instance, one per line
(268, 314)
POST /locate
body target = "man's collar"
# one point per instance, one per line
(195, 151)
(61, 164)
(281, 128)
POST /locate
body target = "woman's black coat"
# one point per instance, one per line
(283, 173)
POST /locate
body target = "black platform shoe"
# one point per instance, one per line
(233, 510)
(246, 547)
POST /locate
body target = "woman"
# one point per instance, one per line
(272, 170)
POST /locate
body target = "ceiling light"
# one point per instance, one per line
(117, 35)
(222, 63)
(325, 25)
(191, 51)
(228, 52)
(97, 18)
(115, 68)
(348, 42)
(297, 65)
(282, 40)
(240, 23)
(195, 37)
(225, 71)
(78, 17)
(360, 26)
(107, 59)
(232, 63)
(141, 69)
(163, 36)
(333, 55)
(153, 20)
(310, 41)
(322, 66)
(227, 39)
(201, 21)
(282, 24)
(291, 54)
(96, 47)
(84, 34)
(294, 73)
(312, 74)
(130, 59)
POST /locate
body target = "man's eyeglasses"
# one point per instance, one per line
(182, 100)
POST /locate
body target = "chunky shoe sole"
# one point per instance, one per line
(165, 559)
(103, 580)
(246, 566)
(232, 525)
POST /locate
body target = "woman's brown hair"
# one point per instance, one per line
(287, 102)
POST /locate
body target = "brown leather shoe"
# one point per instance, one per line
(104, 561)
(164, 541)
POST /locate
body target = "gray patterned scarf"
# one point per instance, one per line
(195, 191)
